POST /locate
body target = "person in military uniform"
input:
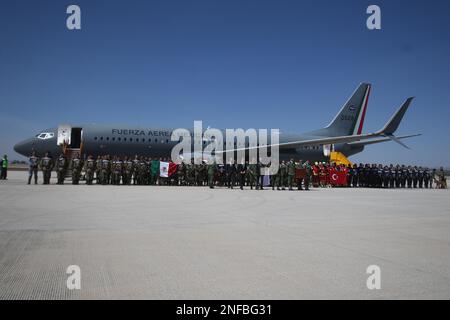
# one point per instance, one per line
(197, 173)
(190, 171)
(212, 168)
(252, 177)
(61, 168)
(385, 175)
(300, 181)
(432, 177)
(98, 170)
(308, 174)
(33, 164)
(105, 168)
(426, 177)
(397, 176)
(47, 165)
(242, 171)
(391, 176)
(135, 170)
(89, 169)
(420, 177)
(273, 175)
(403, 176)
(361, 175)
(117, 168)
(75, 166)
(230, 171)
(415, 177)
(127, 172)
(441, 179)
(154, 170)
(290, 168)
(281, 177)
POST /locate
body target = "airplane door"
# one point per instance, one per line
(327, 149)
(64, 134)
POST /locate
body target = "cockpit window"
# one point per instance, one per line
(45, 135)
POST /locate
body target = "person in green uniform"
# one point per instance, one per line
(212, 168)
(291, 173)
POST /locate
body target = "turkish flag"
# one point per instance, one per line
(338, 178)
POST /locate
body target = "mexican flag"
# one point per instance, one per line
(166, 169)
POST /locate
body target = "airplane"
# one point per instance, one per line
(343, 134)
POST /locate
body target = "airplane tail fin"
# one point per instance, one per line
(350, 119)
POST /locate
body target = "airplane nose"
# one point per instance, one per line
(24, 147)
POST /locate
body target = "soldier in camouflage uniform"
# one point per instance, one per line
(252, 174)
(75, 166)
(290, 173)
(117, 168)
(127, 172)
(135, 171)
(98, 169)
(89, 169)
(281, 177)
(212, 169)
(105, 168)
(47, 165)
(298, 165)
(308, 175)
(61, 168)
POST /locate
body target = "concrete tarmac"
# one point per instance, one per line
(158, 242)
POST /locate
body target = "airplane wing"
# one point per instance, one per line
(387, 132)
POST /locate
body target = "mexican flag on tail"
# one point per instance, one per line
(166, 169)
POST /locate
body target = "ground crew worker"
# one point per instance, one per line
(212, 168)
(4, 168)
(33, 163)
(89, 169)
(76, 165)
(61, 168)
(47, 165)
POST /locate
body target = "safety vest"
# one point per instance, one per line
(5, 163)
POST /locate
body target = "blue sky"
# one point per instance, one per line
(234, 63)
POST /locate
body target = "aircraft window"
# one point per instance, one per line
(101, 138)
(113, 139)
(45, 135)
(149, 140)
(143, 140)
(124, 139)
(107, 138)
(156, 140)
(167, 140)
(95, 138)
(118, 139)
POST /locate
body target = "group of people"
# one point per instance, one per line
(291, 174)
(381, 176)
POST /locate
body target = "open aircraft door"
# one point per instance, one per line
(327, 149)
(64, 134)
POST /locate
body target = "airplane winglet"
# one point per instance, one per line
(391, 126)
(394, 138)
